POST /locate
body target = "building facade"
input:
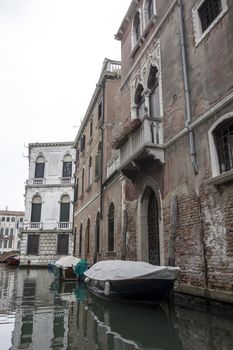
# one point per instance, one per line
(169, 197)
(11, 223)
(96, 161)
(177, 60)
(47, 230)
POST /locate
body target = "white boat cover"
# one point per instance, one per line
(112, 270)
(67, 261)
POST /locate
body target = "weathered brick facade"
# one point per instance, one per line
(171, 192)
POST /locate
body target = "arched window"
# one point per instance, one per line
(80, 239)
(136, 28)
(65, 209)
(67, 166)
(82, 185)
(149, 10)
(91, 128)
(153, 86)
(98, 232)
(98, 161)
(223, 137)
(11, 233)
(36, 209)
(39, 168)
(90, 172)
(7, 232)
(111, 228)
(139, 101)
(76, 190)
(88, 237)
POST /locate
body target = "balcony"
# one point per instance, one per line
(64, 225)
(113, 164)
(32, 226)
(38, 181)
(66, 180)
(141, 146)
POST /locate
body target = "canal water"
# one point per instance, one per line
(37, 313)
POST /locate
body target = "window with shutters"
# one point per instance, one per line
(11, 233)
(39, 167)
(63, 244)
(98, 161)
(90, 175)
(139, 101)
(36, 209)
(67, 166)
(98, 232)
(111, 228)
(153, 86)
(80, 239)
(65, 209)
(82, 143)
(33, 245)
(88, 237)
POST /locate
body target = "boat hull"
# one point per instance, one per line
(136, 291)
(63, 273)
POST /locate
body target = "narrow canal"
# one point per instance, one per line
(37, 313)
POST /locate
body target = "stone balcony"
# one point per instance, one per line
(145, 144)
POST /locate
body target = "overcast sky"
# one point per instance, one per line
(51, 55)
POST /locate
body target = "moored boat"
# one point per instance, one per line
(13, 260)
(63, 268)
(131, 281)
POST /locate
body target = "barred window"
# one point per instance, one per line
(208, 11)
(223, 136)
(62, 244)
(33, 245)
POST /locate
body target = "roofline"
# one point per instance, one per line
(130, 12)
(103, 76)
(11, 212)
(48, 144)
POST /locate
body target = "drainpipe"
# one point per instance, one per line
(102, 149)
(186, 89)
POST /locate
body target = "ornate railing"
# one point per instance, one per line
(149, 134)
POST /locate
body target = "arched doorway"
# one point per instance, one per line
(153, 230)
(150, 238)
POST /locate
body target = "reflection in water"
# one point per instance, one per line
(39, 313)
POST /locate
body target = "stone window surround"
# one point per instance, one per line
(144, 26)
(198, 34)
(141, 77)
(218, 178)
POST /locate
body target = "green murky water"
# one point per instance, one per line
(38, 313)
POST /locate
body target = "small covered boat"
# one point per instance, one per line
(131, 281)
(63, 268)
(13, 260)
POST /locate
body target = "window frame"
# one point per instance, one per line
(111, 228)
(198, 33)
(33, 251)
(217, 176)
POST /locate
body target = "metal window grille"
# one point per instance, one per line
(224, 145)
(33, 244)
(62, 244)
(208, 11)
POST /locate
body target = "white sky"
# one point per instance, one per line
(51, 55)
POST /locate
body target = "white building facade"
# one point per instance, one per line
(10, 224)
(47, 231)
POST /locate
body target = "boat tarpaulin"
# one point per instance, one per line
(114, 270)
(67, 261)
